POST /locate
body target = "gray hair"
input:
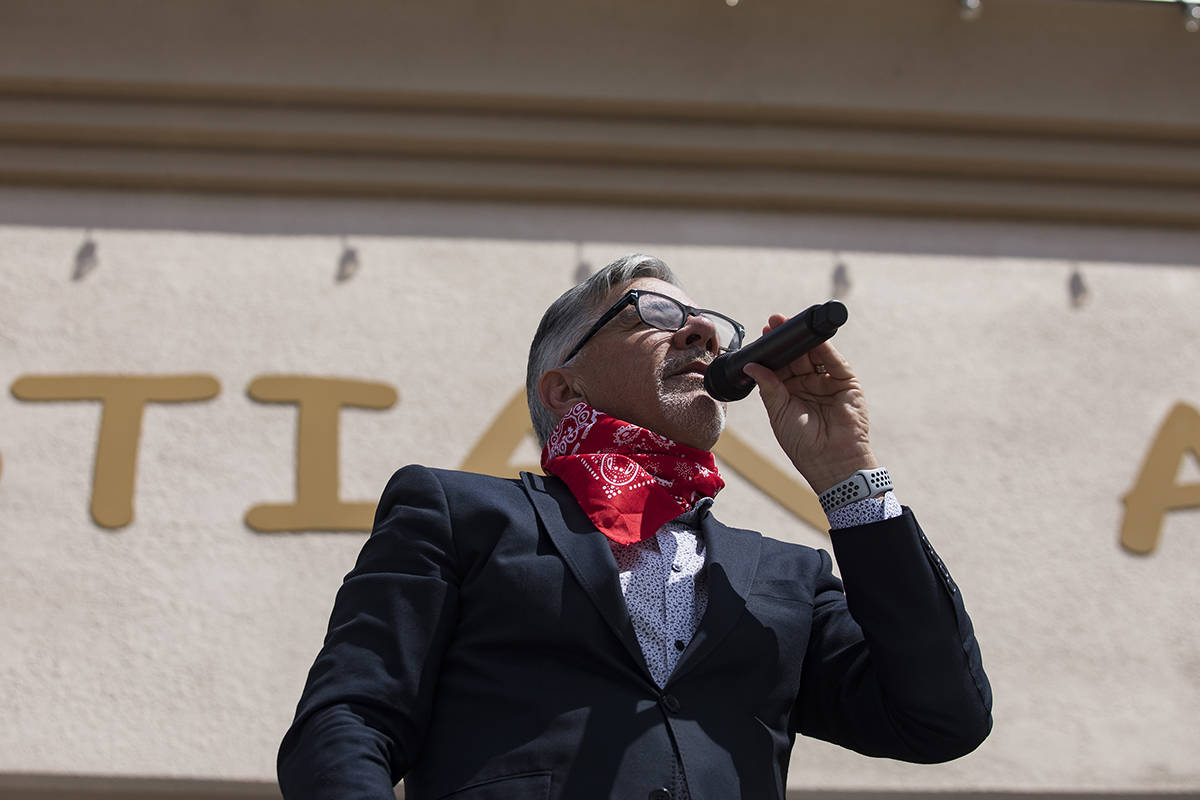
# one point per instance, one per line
(569, 317)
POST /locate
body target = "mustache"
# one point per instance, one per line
(676, 363)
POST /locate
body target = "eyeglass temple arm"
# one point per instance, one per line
(630, 297)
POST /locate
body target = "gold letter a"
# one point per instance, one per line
(1156, 491)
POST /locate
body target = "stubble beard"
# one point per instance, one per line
(689, 407)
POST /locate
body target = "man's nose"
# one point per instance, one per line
(698, 331)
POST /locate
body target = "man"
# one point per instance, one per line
(597, 633)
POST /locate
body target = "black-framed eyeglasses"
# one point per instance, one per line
(667, 314)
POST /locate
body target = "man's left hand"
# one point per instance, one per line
(818, 412)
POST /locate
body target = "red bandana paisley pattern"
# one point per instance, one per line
(628, 480)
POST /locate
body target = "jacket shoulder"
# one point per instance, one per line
(451, 490)
(452, 479)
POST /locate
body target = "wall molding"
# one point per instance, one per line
(314, 141)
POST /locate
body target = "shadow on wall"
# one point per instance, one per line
(314, 216)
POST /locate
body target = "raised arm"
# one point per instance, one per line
(892, 667)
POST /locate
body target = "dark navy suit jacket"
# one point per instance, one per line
(481, 649)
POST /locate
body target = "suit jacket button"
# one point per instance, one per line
(660, 794)
(670, 703)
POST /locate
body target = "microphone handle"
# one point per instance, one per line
(724, 378)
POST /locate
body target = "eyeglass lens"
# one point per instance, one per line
(666, 314)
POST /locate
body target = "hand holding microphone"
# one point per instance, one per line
(724, 378)
(820, 420)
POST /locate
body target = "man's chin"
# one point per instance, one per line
(698, 416)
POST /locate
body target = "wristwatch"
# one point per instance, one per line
(862, 484)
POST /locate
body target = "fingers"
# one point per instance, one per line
(774, 321)
(768, 382)
(824, 359)
(834, 363)
(823, 355)
(774, 394)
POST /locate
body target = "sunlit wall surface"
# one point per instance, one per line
(241, 284)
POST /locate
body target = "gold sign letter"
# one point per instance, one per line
(317, 506)
(123, 398)
(781, 486)
(492, 454)
(1155, 492)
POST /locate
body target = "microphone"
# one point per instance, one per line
(724, 378)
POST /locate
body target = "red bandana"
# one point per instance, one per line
(628, 480)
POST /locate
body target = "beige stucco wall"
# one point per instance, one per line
(1013, 424)
(720, 138)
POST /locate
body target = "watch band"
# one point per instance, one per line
(862, 484)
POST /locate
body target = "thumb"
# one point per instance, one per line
(774, 394)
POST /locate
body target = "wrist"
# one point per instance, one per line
(860, 486)
(831, 474)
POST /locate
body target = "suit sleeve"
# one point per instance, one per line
(892, 668)
(365, 708)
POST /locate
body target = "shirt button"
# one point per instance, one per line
(676, 568)
(670, 703)
(679, 645)
(660, 794)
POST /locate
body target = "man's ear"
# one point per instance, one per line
(557, 391)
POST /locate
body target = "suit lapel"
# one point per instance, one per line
(731, 562)
(587, 555)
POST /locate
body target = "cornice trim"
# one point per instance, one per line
(369, 144)
(581, 106)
